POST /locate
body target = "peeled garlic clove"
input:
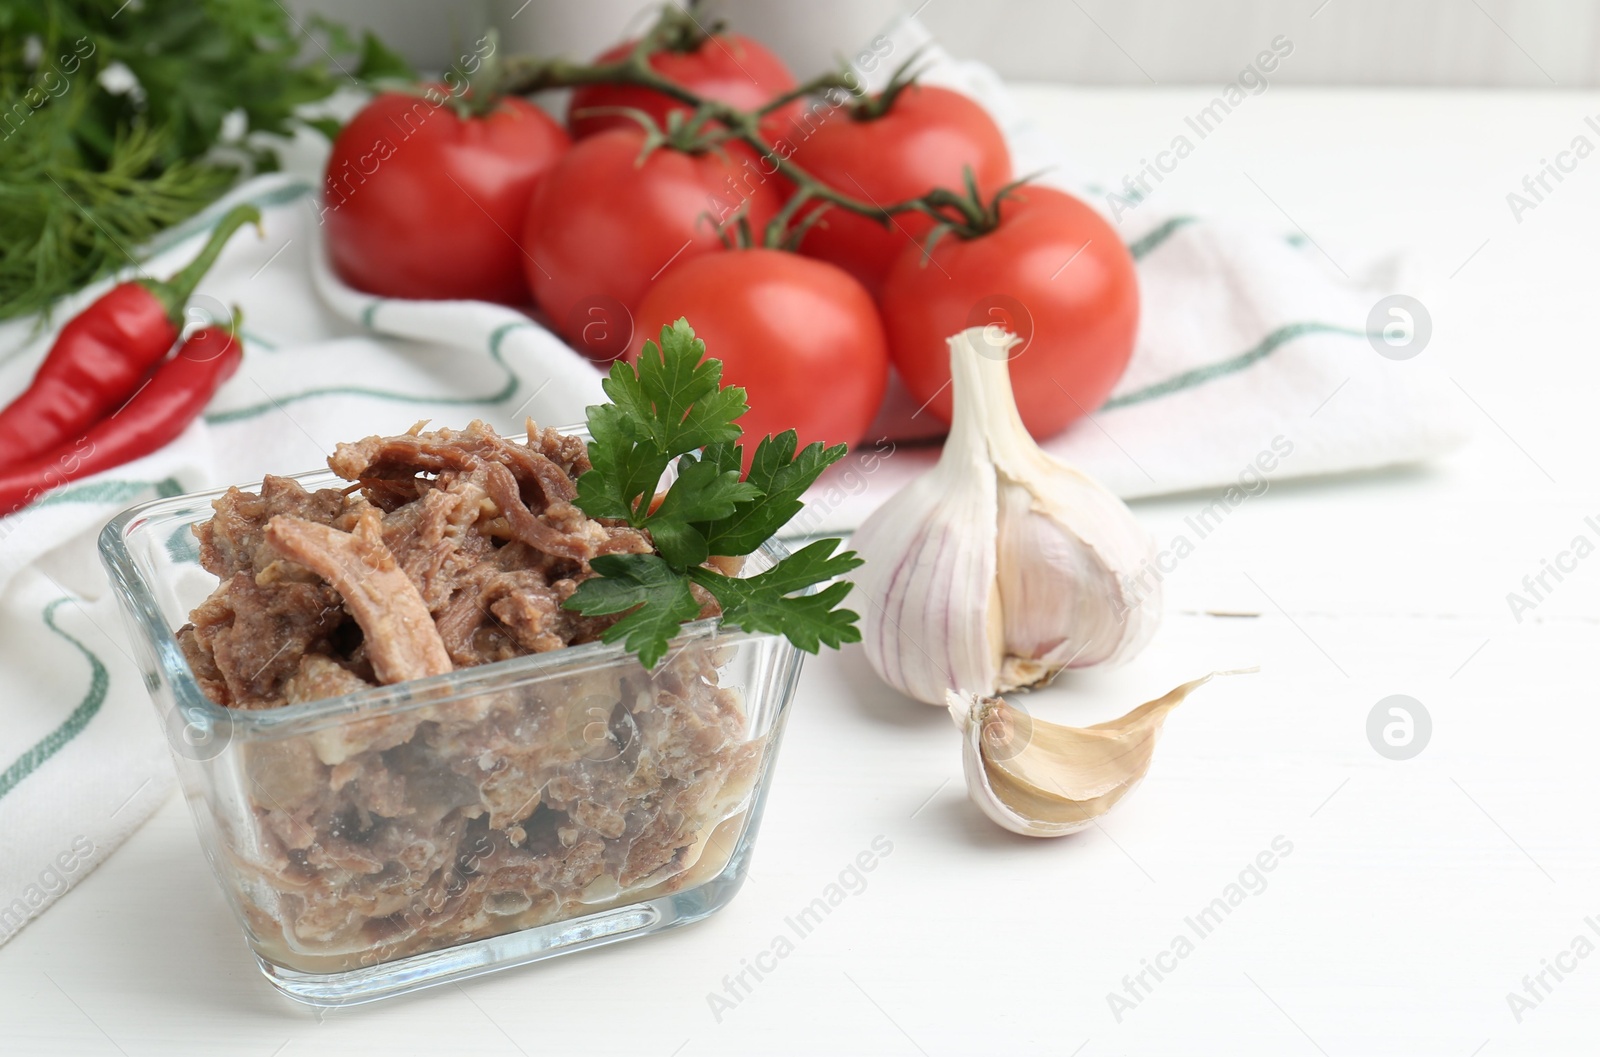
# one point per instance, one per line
(1046, 780)
(1001, 565)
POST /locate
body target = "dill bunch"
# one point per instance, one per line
(111, 113)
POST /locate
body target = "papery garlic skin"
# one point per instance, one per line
(1047, 780)
(1001, 565)
(929, 600)
(1054, 595)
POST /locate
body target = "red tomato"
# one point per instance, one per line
(1054, 273)
(605, 225)
(801, 336)
(420, 202)
(927, 139)
(729, 68)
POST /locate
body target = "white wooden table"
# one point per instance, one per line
(1417, 893)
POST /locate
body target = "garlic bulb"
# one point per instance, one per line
(1045, 780)
(1001, 565)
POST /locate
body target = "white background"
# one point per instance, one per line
(1418, 893)
(1520, 43)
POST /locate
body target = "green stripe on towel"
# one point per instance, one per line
(72, 726)
(1200, 375)
(112, 492)
(509, 390)
(1141, 247)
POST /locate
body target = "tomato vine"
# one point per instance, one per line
(964, 213)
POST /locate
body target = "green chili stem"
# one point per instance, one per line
(174, 293)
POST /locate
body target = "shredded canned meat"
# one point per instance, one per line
(401, 830)
(457, 548)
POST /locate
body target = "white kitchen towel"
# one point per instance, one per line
(1247, 339)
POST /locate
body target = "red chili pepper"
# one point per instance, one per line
(101, 356)
(174, 396)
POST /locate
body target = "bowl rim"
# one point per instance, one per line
(198, 709)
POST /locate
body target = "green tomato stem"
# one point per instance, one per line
(965, 214)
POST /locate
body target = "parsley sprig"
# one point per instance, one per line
(674, 406)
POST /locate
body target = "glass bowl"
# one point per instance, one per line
(434, 830)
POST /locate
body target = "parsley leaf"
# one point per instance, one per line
(658, 595)
(670, 406)
(673, 405)
(678, 397)
(703, 491)
(764, 602)
(782, 478)
(627, 465)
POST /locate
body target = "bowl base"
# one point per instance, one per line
(464, 961)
